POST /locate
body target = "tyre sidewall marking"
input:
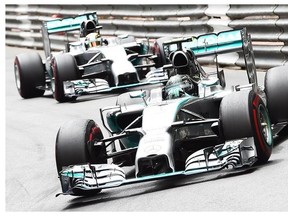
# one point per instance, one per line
(262, 143)
(16, 63)
(55, 73)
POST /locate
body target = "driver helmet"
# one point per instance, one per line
(93, 40)
(179, 86)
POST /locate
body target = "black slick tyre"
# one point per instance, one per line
(276, 89)
(29, 75)
(64, 69)
(74, 146)
(243, 114)
(159, 51)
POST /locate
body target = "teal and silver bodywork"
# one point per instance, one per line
(166, 137)
(115, 63)
(123, 59)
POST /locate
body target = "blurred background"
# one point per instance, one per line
(267, 24)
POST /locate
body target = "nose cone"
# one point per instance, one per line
(155, 154)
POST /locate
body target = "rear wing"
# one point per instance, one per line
(217, 43)
(69, 23)
(62, 25)
(208, 44)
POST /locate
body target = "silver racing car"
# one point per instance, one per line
(192, 125)
(92, 64)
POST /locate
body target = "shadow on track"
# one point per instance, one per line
(155, 186)
(169, 183)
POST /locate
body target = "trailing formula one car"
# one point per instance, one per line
(192, 125)
(90, 65)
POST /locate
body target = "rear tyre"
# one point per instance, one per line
(276, 89)
(64, 69)
(29, 75)
(73, 146)
(243, 114)
(159, 51)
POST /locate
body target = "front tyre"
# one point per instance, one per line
(29, 75)
(243, 114)
(64, 69)
(74, 146)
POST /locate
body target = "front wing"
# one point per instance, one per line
(74, 88)
(235, 154)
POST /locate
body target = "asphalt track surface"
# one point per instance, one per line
(31, 181)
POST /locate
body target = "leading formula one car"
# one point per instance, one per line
(90, 65)
(192, 125)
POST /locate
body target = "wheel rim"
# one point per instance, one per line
(265, 125)
(17, 76)
(53, 79)
(53, 85)
(93, 133)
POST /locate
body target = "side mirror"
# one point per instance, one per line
(132, 56)
(137, 94)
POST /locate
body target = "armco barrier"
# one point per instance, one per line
(267, 24)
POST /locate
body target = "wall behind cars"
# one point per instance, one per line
(267, 24)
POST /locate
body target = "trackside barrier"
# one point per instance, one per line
(267, 24)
